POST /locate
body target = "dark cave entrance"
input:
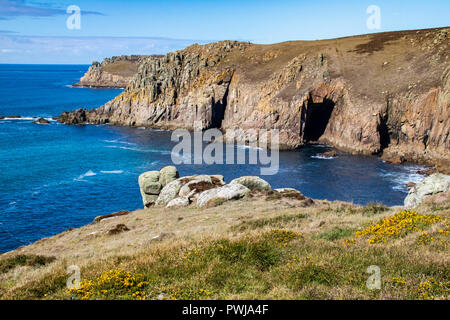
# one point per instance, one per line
(218, 111)
(385, 137)
(316, 119)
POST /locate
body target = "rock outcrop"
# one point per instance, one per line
(253, 183)
(203, 190)
(436, 183)
(385, 93)
(115, 72)
(219, 195)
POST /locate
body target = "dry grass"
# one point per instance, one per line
(122, 68)
(248, 249)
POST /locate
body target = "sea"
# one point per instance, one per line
(55, 177)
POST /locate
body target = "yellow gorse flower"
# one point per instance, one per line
(115, 282)
(396, 226)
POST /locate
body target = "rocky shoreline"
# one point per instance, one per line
(356, 94)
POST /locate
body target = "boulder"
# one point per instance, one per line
(149, 186)
(253, 183)
(169, 192)
(290, 193)
(41, 121)
(330, 154)
(167, 175)
(178, 202)
(149, 199)
(221, 194)
(149, 182)
(198, 185)
(436, 183)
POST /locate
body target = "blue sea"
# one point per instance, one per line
(54, 177)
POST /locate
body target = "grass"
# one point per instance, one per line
(243, 250)
(336, 233)
(24, 260)
(278, 221)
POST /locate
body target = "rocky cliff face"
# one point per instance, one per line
(384, 93)
(115, 72)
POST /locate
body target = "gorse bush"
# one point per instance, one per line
(115, 283)
(433, 289)
(397, 226)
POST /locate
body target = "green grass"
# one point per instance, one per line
(275, 264)
(275, 222)
(336, 233)
(374, 208)
(24, 260)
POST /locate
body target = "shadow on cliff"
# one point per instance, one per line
(316, 119)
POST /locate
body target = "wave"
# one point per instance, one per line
(400, 179)
(322, 157)
(19, 119)
(241, 146)
(112, 171)
(89, 173)
(26, 119)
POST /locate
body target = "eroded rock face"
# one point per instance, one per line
(436, 183)
(357, 94)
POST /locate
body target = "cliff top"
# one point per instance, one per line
(256, 248)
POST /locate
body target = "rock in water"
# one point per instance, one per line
(253, 183)
(436, 183)
(41, 121)
(168, 174)
(221, 194)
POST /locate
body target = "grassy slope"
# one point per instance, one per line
(232, 252)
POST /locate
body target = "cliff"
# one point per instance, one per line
(115, 72)
(385, 93)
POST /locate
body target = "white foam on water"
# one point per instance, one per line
(20, 119)
(121, 142)
(90, 173)
(322, 157)
(112, 171)
(183, 158)
(241, 146)
(399, 180)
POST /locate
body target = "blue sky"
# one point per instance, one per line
(34, 31)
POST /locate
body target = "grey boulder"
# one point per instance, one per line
(436, 183)
(221, 194)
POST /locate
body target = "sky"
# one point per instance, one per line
(39, 31)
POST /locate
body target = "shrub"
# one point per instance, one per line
(397, 226)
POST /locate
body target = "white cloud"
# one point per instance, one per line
(81, 50)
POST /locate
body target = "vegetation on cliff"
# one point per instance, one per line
(259, 247)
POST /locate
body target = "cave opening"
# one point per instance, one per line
(385, 137)
(218, 111)
(316, 119)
